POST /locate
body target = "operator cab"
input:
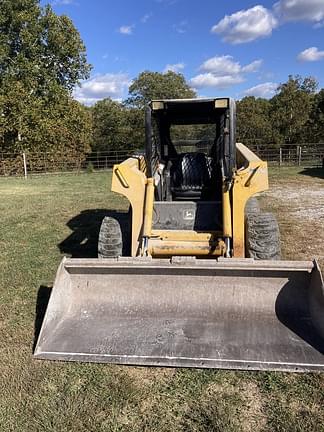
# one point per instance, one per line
(190, 147)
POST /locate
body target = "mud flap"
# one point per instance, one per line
(233, 314)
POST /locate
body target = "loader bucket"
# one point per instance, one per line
(233, 314)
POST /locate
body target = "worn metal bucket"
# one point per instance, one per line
(233, 314)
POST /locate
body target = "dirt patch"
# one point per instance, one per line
(301, 201)
(299, 206)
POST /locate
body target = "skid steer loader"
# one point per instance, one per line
(195, 277)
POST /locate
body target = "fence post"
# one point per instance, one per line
(25, 165)
(299, 155)
(280, 156)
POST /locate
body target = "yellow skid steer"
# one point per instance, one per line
(194, 278)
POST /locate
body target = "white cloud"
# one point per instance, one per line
(222, 72)
(145, 18)
(221, 65)
(211, 80)
(300, 10)
(102, 86)
(265, 90)
(246, 25)
(176, 67)
(252, 67)
(225, 65)
(126, 30)
(310, 55)
(181, 27)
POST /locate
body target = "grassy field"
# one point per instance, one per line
(45, 217)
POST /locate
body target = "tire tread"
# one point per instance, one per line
(262, 236)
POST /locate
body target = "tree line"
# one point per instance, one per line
(42, 59)
(295, 114)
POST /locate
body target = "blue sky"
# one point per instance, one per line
(233, 48)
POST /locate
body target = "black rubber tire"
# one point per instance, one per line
(262, 236)
(252, 206)
(110, 242)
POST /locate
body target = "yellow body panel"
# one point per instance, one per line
(160, 248)
(227, 216)
(129, 179)
(186, 242)
(249, 180)
(148, 209)
(185, 235)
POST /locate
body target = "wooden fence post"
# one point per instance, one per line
(299, 155)
(25, 165)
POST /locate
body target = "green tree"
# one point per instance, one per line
(116, 127)
(135, 121)
(39, 48)
(291, 108)
(109, 132)
(315, 126)
(253, 122)
(42, 58)
(154, 85)
(147, 86)
(68, 128)
(62, 127)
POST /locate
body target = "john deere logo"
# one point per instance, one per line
(188, 215)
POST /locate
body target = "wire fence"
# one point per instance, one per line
(28, 163)
(305, 154)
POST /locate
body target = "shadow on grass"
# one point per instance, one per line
(43, 297)
(313, 172)
(85, 227)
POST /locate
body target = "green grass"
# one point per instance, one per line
(42, 219)
(295, 171)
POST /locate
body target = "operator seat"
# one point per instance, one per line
(191, 175)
